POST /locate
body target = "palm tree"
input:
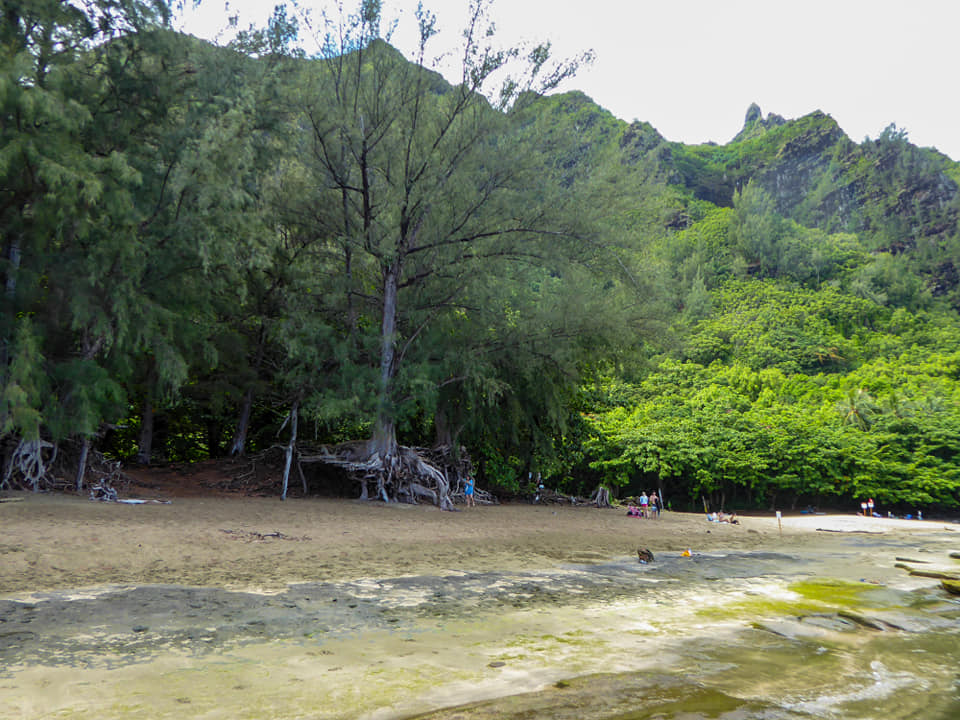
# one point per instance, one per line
(858, 409)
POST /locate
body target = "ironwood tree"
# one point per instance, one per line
(412, 196)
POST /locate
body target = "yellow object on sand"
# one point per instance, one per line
(686, 553)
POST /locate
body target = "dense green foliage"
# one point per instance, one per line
(201, 242)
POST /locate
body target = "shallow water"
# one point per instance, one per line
(738, 636)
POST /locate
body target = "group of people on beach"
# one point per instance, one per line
(648, 506)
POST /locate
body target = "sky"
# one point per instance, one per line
(691, 68)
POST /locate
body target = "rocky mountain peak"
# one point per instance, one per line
(754, 123)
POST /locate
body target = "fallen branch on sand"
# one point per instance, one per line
(251, 535)
(104, 492)
(852, 532)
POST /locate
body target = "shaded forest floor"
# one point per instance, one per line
(207, 478)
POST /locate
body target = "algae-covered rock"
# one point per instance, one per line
(951, 586)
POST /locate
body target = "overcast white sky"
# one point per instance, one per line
(691, 68)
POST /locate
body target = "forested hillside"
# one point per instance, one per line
(394, 281)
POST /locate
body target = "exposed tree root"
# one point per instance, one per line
(410, 475)
(552, 497)
(28, 464)
(40, 465)
(601, 498)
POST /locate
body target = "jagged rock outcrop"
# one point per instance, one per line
(817, 176)
(803, 177)
(754, 123)
(643, 147)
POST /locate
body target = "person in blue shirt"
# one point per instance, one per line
(468, 490)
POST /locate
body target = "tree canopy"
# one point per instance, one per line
(215, 250)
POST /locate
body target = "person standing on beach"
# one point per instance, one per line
(644, 502)
(654, 505)
(468, 490)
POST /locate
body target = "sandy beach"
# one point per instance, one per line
(57, 542)
(223, 540)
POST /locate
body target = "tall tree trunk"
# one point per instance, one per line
(239, 443)
(10, 291)
(91, 346)
(388, 330)
(238, 446)
(82, 463)
(383, 444)
(348, 264)
(13, 266)
(443, 437)
(294, 415)
(145, 449)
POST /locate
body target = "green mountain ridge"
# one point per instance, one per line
(896, 194)
(814, 172)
